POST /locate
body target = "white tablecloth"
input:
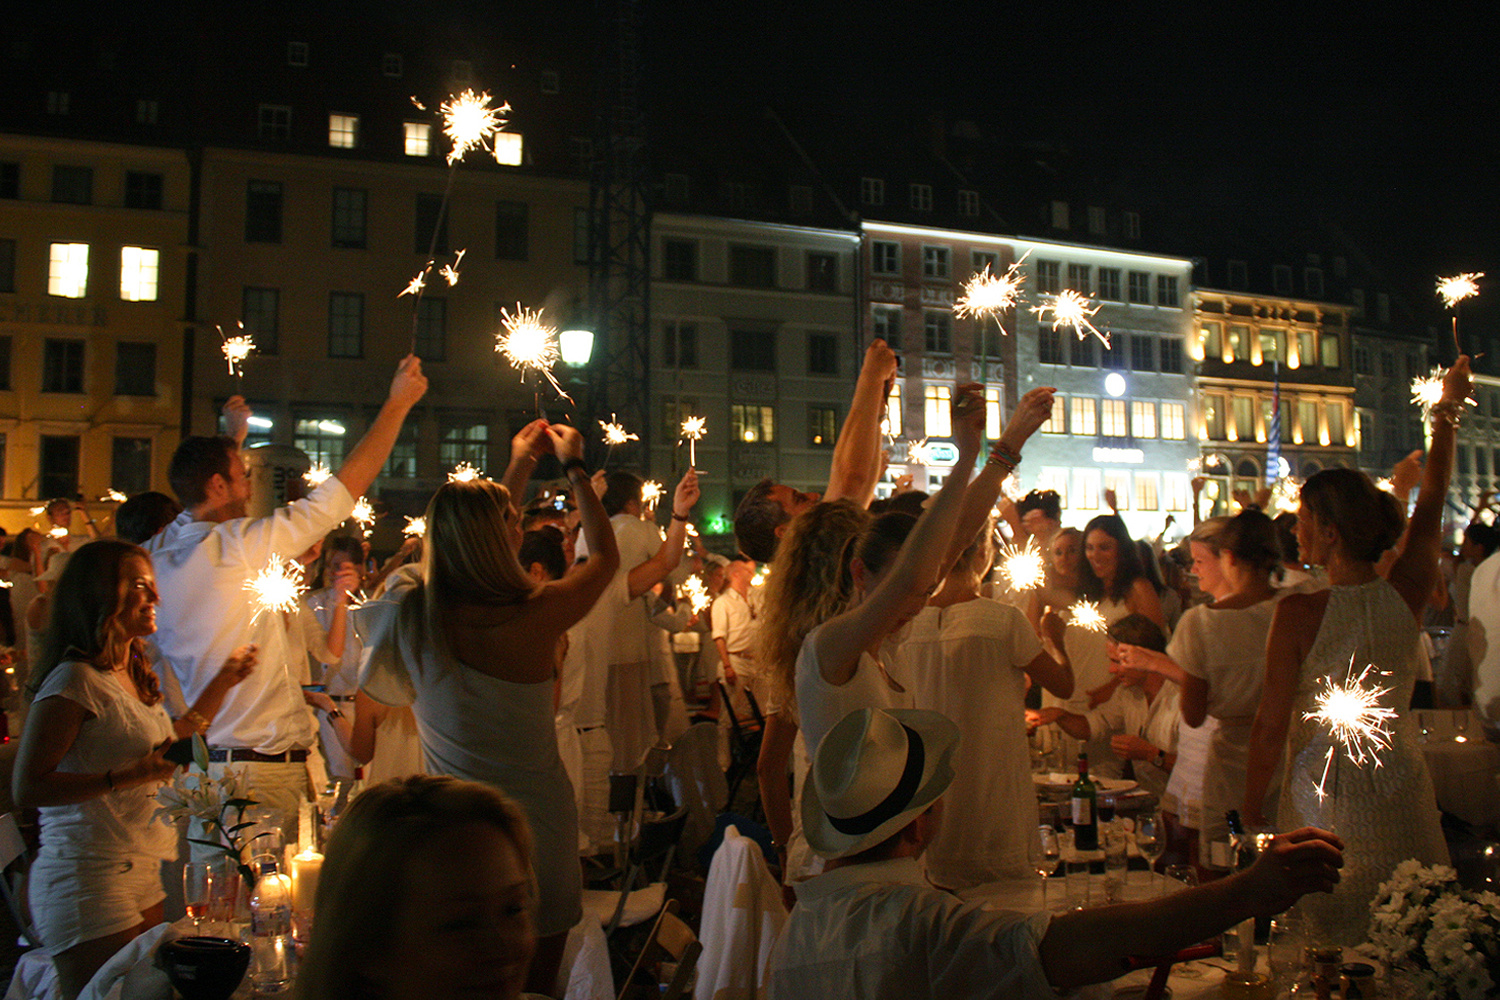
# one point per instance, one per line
(1463, 764)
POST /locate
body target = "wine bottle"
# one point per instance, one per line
(1085, 809)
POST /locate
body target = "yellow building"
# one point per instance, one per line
(92, 251)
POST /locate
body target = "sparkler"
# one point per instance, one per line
(113, 496)
(650, 493)
(1356, 719)
(1086, 615)
(692, 430)
(463, 472)
(277, 587)
(1021, 566)
(236, 349)
(918, 453)
(415, 285)
(987, 294)
(58, 532)
(697, 594)
(317, 475)
(6, 585)
(527, 342)
(1069, 308)
(1427, 391)
(1453, 291)
(1385, 483)
(471, 123)
(416, 527)
(38, 511)
(615, 433)
(363, 515)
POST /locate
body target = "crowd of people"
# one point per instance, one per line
(491, 675)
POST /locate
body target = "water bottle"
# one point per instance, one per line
(271, 931)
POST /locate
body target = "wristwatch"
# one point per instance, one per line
(1161, 758)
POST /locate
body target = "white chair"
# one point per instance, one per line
(743, 915)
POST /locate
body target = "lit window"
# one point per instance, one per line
(1086, 489)
(1112, 418)
(938, 415)
(68, 270)
(1056, 420)
(1173, 426)
(418, 138)
(893, 411)
(138, 271)
(508, 148)
(1145, 491)
(1177, 490)
(343, 131)
(993, 428)
(1085, 416)
(1119, 482)
(1143, 418)
(822, 426)
(752, 424)
(1213, 417)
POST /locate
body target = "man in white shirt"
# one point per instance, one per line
(871, 927)
(733, 621)
(203, 562)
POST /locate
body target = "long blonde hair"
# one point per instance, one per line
(809, 584)
(468, 556)
(361, 887)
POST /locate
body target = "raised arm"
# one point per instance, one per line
(364, 462)
(1417, 566)
(237, 419)
(918, 565)
(651, 572)
(857, 452)
(526, 449)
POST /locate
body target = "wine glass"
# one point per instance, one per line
(1150, 840)
(1049, 857)
(197, 890)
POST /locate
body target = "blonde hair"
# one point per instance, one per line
(809, 584)
(469, 556)
(361, 887)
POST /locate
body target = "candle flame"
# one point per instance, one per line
(416, 527)
(1071, 309)
(463, 472)
(1459, 287)
(1356, 719)
(1022, 567)
(1086, 615)
(277, 587)
(470, 122)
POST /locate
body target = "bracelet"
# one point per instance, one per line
(197, 721)
(1003, 463)
(575, 463)
(334, 713)
(1450, 412)
(109, 779)
(678, 517)
(1005, 455)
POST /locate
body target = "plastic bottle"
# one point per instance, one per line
(271, 931)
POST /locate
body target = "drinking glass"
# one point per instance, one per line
(198, 890)
(1075, 873)
(1048, 858)
(1461, 725)
(1184, 875)
(1150, 839)
(1116, 862)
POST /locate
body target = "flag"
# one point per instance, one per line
(1273, 433)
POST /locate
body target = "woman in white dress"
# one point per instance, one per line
(469, 640)
(1384, 814)
(1218, 656)
(968, 657)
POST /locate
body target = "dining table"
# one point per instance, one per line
(1464, 764)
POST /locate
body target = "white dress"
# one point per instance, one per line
(1088, 655)
(1384, 814)
(820, 705)
(968, 661)
(1227, 648)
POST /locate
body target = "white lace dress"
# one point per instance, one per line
(1384, 814)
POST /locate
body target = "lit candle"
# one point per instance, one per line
(306, 867)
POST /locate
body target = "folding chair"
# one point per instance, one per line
(676, 940)
(744, 752)
(14, 863)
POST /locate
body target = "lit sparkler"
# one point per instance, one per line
(415, 285)
(1459, 287)
(236, 349)
(1286, 494)
(1086, 615)
(6, 585)
(113, 496)
(1356, 719)
(1385, 483)
(1071, 309)
(416, 527)
(650, 493)
(987, 294)
(471, 123)
(697, 594)
(918, 453)
(363, 515)
(38, 511)
(527, 342)
(463, 472)
(317, 475)
(615, 433)
(58, 532)
(693, 430)
(1021, 566)
(277, 587)
(449, 272)
(1427, 391)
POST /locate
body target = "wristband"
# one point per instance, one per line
(678, 517)
(1005, 455)
(575, 463)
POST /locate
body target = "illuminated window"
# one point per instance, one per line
(138, 272)
(1239, 342)
(1173, 426)
(509, 147)
(1086, 489)
(893, 411)
(1307, 421)
(822, 426)
(1085, 416)
(418, 138)
(1306, 354)
(1329, 344)
(1335, 425)
(1213, 340)
(1145, 491)
(752, 424)
(1113, 422)
(1176, 484)
(992, 425)
(1120, 483)
(343, 131)
(1057, 419)
(68, 270)
(1143, 418)
(1213, 416)
(1244, 418)
(1272, 346)
(938, 412)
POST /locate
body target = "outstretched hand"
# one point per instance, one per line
(1031, 413)
(567, 442)
(686, 494)
(1297, 863)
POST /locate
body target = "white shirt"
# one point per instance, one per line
(205, 613)
(1128, 711)
(638, 541)
(734, 621)
(879, 932)
(585, 671)
(1483, 646)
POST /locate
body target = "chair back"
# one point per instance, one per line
(671, 935)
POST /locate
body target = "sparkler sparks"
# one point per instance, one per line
(1427, 391)
(650, 493)
(1459, 287)
(527, 342)
(317, 475)
(1286, 494)
(113, 496)
(416, 527)
(1021, 566)
(693, 430)
(615, 433)
(471, 123)
(1356, 719)
(1071, 309)
(449, 272)
(415, 285)
(697, 593)
(987, 294)
(363, 515)
(918, 453)
(38, 511)
(1086, 615)
(463, 472)
(58, 532)
(277, 587)
(236, 349)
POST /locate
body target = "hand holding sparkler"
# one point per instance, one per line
(1034, 410)
(968, 420)
(345, 582)
(567, 442)
(237, 666)
(237, 419)
(685, 496)
(409, 384)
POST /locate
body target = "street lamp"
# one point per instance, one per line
(576, 346)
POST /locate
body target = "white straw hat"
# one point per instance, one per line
(873, 773)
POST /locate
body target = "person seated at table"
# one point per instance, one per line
(871, 927)
(1140, 717)
(425, 892)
